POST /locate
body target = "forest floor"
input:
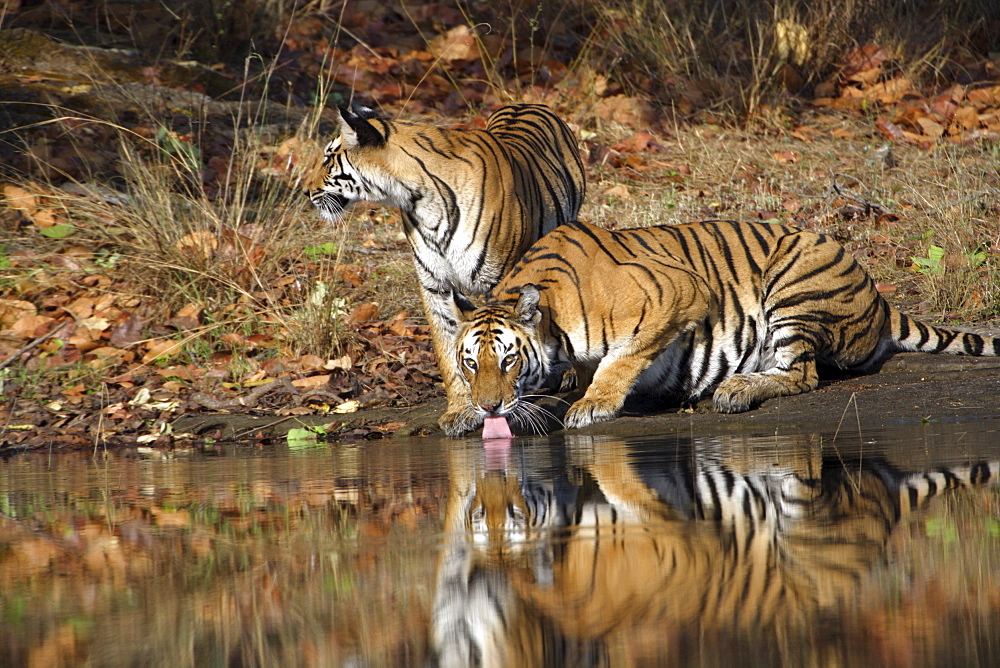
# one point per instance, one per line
(130, 316)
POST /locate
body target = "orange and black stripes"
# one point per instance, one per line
(472, 201)
(746, 310)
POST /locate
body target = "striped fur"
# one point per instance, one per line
(769, 547)
(495, 521)
(472, 201)
(747, 309)
(704, 542)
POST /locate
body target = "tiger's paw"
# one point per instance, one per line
(585, 412)
(738, 394)
(568, 381)
(457, 421)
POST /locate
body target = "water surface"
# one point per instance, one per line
(777, 549)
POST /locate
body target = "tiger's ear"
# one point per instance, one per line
(355, 128)
(463, 304)
(526, 310)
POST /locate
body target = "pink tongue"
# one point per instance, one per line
(496, 427)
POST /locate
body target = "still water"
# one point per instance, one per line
(805, 549)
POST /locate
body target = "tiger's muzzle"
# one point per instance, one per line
(331, 206)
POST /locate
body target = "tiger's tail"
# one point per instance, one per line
(911, 335)
(917, 489)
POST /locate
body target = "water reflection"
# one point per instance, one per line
(235, 559)
(733, 550)
(749, 551)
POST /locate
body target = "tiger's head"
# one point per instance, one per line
(501, 356)
(357, 165)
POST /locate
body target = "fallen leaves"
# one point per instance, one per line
(457, 43)
(957, 114)
(47, 219)
(630, 111)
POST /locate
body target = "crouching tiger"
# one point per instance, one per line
(472, 201)
(748, 309)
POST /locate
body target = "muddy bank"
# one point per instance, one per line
(910, 389)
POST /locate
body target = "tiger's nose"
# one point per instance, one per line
(490, 408)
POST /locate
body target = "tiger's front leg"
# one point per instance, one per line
(606, 393)
(459, 417)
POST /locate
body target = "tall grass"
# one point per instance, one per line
(730, 56)
(210, 218)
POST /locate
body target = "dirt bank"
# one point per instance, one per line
(911, 388)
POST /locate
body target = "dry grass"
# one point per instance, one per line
(233, 251)
(239, 253)
(731, 57)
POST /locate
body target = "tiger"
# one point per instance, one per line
(737, 537)
(496, 521)
(749, 309)
(472, 201)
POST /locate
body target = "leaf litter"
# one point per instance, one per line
(88, 358)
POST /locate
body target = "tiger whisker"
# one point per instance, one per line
(533, 422)
(524, 417)
(541, 396)
(533, 415)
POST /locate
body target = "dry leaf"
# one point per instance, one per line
(11, 310)
(889, 92)
(984, 97)
(890, 129)
(310, 362)
(620, 191)
(930, 127)
(201, 242)
(364, 313)
(350, 406)
(339, 363)
(158, 349)
(178, 519)
(632, 111)
(456, 44)
(862, 59)
(100, 324)
(127, 332)
(311, 382)
(43, 218)
(826, 89)
(398, 324)
(20, 199)
(30, 326)
(640, 141)
(966, 117)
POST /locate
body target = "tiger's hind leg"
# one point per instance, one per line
(794, 373)
(819, 304)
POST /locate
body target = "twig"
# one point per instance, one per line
(33, 344)
(869, 207)
(249, 401)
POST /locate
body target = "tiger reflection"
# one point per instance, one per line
(718, 540)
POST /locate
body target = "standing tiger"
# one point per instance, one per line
(472, 201)
(746, 308)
